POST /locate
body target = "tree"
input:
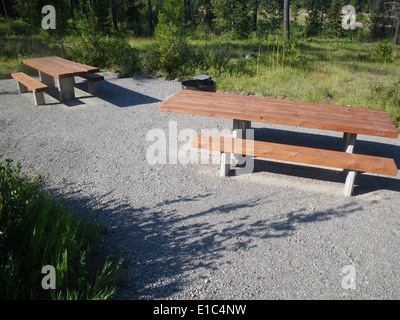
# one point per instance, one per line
(335, 18)
(286, 19)
(5, 9)
(273, 13)
(314, 20)
(378, 21)
(150, 16)
(114, 14)
(232, 16)
(393, 10)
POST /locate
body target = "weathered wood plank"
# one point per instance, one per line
(305, 155)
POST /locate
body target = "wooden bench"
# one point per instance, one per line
(24, 82)
(92, 78)
(305, 155)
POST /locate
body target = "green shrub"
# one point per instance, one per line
(385, 49)
(36, 230)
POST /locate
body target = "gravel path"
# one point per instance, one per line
(184, 232)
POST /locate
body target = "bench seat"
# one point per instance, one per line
(92, 78)
(305, 155)
(24, 82)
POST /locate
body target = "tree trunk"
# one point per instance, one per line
(255, 9)
(286, 17)
(5, 9)
(396, 34)
(114, 15)
(150, 16)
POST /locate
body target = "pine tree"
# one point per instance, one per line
(335, 18)
(314, 20)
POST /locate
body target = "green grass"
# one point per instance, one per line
(326, 71)
(35, 231)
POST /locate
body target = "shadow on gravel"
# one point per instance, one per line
(118, 95)
(164, 244)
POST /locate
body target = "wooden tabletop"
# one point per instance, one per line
(282, 111)
(59, 67)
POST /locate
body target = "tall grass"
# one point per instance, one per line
(35, 231)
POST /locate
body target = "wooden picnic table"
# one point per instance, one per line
(344, 119)
(62, 70)
(244, 109)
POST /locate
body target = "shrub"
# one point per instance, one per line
(36, 230)
(385, 49)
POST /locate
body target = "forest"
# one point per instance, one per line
(239, 18)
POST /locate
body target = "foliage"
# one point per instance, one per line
(314, 21)
(334, 22)
(385, 49)
(90, 46)
(36, 230)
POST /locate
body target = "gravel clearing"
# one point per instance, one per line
(283, 232)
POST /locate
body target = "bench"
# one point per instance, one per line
(24, 82)
(92, 78)
(335, 159)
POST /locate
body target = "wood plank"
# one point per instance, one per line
(305, 155)
(282, 111)
(31, 83)
(92, 77)
(283, 105)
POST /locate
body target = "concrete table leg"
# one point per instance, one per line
(39, 98)
(225, 164)
(66, 88)
(349, 141)
(47, 79)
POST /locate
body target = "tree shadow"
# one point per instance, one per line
(164, 242)
(118, 95)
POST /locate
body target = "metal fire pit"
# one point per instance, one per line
(200, 83)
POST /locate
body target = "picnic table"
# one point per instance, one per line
(62, 71)
(244, 109)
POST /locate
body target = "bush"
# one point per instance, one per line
(385, 49)
(36, 230)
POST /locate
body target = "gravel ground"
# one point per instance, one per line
(283, 232)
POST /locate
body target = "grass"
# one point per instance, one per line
(36, 231)
(326, 71)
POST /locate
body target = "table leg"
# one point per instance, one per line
(66, 88)
(349, 141)
(47, 79)
(225, 164)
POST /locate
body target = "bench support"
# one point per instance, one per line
(92, 87)
(21, 87)
(239, 131)
(225, 163)
(349, 184)
(37, 96)
(349, 141)
(66, 88)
